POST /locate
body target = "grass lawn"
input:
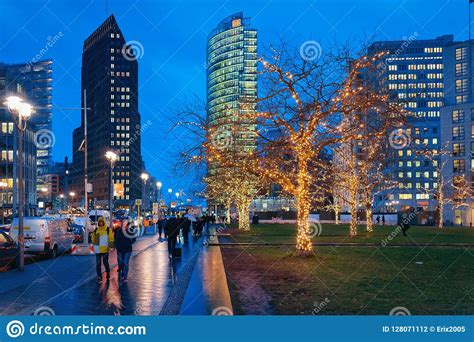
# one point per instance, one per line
(351, 280)
(286, 233)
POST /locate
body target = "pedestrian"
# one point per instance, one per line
(186, 227)
(383, 220)
(378, 219)
(125, 237)
(405, 226)
(103, 241)
(172, 231)
(161, 223)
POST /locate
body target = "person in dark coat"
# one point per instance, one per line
(172, 228)
(161, 225)
(383, 220)
(378, 219)
(186, 226)
(125, 237)
(405, 226)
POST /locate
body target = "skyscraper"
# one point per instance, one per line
(232, 84)
(110, 80)
(414, 71)
(36, 82)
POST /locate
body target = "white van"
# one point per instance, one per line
(45, 235)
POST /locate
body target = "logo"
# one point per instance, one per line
(314, 229)
(400, 311)
(133, 50)
(44, 139)
(15, 329)
(399, 139)
(44, 311)
(311, 50)
(222, 311)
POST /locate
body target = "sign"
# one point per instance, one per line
(156, 208)
(89, 187)
(138, 202)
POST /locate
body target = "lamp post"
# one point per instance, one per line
(144, 178)
(3, 186)
(21, 113)
(170, 191)
(72, 194)
(112, 157)
(158, 187)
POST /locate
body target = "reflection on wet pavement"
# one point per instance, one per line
(151, 277)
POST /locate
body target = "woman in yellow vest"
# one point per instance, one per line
(103, 241)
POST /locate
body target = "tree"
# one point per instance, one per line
(300, 117)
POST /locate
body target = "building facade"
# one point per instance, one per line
(413, 70)
(457, 135)
(110, 81)
(232, 85)
(9, 156)
(36, 81)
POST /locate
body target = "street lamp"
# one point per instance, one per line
(21, 111)
(3, 185)
(112, 157)
(72, 194)
(158, 187)
(170, 191)
(144, 177)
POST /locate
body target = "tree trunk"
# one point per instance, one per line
(228, 206)
(441, 202)
(244, 216)
(368, 211)
(336, 212)
(353, 230)
(304, 245)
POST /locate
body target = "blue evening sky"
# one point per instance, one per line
(173, 34)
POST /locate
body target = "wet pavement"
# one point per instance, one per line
(68, 286)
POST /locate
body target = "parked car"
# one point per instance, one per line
(45, 235)
(8, 251)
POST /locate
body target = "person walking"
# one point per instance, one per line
(125, 237)
(103, 241)
(161, 223)
(378, 219)
(383, 220)
(186, 227)
(172, 231)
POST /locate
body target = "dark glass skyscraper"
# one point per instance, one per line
(110, 79)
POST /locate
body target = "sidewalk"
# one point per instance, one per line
(208, 291)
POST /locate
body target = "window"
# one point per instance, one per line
(459, 165)
(461, 69)
(461, 99)
(461, 53)
(461, 85)
(458, 132)
(458, 149)
(405, 196)
(457, 115)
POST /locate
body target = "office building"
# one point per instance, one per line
(232, 85)
(413, 70)
(457, 134)
(110, 79)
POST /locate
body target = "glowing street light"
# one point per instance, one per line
(112, 158)
(21, 113)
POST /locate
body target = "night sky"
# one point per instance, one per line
(174, 33)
